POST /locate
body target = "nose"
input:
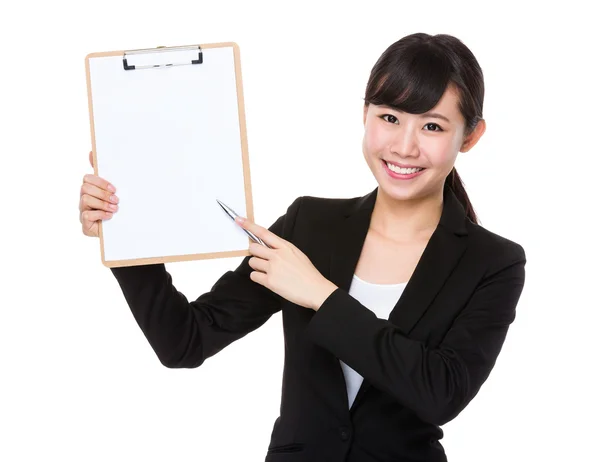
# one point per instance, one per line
(404, 143)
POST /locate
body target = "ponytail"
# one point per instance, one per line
(456, 185)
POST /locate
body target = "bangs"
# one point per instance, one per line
(412, 81)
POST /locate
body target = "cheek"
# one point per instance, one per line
(372, 141)
(439, 152)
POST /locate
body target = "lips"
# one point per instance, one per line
(402, 166)
(400, 176)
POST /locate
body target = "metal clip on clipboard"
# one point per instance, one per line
(162, 49)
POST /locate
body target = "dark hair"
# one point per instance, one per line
(413, 73)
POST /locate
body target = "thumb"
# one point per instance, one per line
(91, 160)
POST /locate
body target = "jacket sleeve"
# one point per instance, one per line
(436, 383)
(182, 333)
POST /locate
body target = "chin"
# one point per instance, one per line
(400, 194)
(404, 189)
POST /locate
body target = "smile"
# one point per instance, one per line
(401, 176)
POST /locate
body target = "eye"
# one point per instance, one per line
(435, 125)
(388, 115)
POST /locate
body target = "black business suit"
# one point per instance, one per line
(420, 368)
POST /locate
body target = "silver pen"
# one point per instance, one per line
(229, 211)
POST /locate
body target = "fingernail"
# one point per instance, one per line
(239, 219)
(111, 188)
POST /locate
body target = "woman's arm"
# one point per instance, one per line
(184, 334)
(436, 383)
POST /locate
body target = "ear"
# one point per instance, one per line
(366, 108)
(473, 138)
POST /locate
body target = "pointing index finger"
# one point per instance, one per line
(269, 238)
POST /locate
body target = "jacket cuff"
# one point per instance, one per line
(339, 320)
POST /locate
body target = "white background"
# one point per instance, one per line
(79, 380)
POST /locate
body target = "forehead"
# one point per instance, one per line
(448, 103)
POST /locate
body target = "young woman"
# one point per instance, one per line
(395, 305)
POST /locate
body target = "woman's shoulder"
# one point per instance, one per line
(493, 245)
(329, 202)
(333, 206)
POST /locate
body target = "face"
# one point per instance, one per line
(418, 140)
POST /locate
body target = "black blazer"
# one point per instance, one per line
(421, 366)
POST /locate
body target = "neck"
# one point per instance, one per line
(406, 220)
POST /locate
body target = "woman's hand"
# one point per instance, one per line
(286, 270)
(95, 202)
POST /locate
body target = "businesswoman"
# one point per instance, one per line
(395, 304)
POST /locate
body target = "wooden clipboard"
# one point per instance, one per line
(170, 113)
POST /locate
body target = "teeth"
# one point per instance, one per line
(403, 171)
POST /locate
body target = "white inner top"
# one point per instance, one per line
(380, 299)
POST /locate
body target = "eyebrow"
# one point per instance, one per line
(433, 115)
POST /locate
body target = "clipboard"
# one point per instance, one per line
(168, 130)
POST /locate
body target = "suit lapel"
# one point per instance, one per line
(442, 253)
